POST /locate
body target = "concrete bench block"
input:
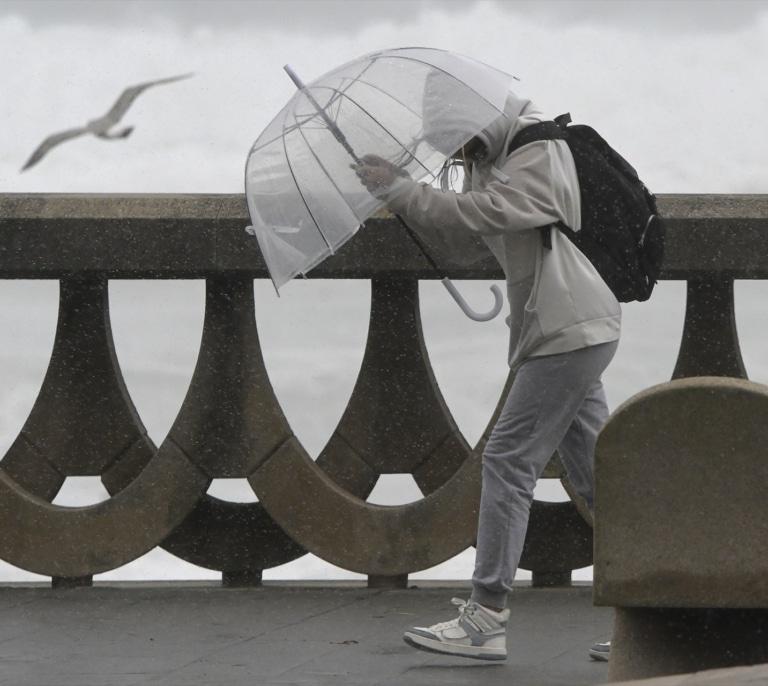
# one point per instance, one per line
(681, 510)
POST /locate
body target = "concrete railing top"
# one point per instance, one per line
(198, 235)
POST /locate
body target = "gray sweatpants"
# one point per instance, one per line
(556, 402)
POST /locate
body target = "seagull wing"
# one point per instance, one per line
(50, 142)
(130, 94)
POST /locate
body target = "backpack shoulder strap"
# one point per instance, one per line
(543, 131)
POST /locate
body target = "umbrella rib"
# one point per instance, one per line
(407, 228)
(301, 123)
(380, 124)
(303, 198)
(342, 92)
(329, 176)
(455, 78)
(411, 58)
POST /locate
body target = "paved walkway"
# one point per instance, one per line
(281, 635)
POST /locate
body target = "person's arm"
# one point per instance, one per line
(383, 179)
(535, 194)
(539, 190)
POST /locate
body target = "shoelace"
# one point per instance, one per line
(464, 608)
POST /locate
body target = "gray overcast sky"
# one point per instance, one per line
(635, 69)
(348, 15)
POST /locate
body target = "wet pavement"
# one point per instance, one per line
(189, 634)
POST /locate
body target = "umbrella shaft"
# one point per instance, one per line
(420, 246)
(335, 130)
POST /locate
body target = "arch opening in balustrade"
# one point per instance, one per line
(650, 343)
(312, 338)
(28, 312)
(232, 490)
(156, 327)
(752, 326)
(468, 358)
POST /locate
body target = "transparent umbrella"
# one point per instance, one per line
(304, 199)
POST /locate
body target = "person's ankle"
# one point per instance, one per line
(497, 610)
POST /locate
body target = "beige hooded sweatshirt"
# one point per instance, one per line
(558, 302)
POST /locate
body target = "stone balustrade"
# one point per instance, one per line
(231, 425)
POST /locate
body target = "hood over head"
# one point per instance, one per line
(496, 136)
(453, 114)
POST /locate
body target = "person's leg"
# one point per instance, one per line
(548, 393)
(577, 449)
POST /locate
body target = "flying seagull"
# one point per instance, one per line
(100, 127)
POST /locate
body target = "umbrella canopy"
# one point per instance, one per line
(412, 106)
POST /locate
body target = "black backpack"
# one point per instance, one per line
(621, 232)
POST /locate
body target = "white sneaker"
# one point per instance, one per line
(477, 632)
(601, 652)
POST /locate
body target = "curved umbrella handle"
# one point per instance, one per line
(466, 309)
